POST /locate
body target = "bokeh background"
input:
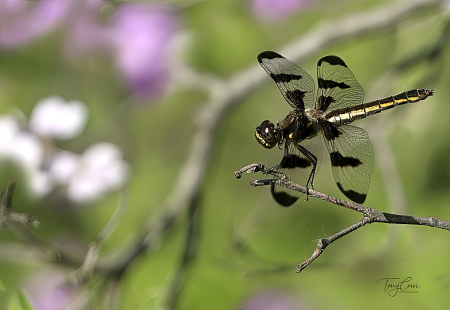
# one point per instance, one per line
(123, 122)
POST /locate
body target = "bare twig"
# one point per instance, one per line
(189, 254)
(5, 209)
(357, 24)
(87, 267)
(9, 194)
(370, 215)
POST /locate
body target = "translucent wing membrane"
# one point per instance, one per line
(351, 156)
(299, 164)
(338, 87)
(296, 86)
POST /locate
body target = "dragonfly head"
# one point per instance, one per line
(266, 134)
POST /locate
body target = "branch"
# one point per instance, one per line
(190, 253)
(370, 215)
(5, 209)
(83, 273)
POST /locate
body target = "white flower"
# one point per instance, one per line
(40, 182)
(64, 166)
(25, 149)
(55, 118)
(86, 177)
(21, 147)
(99, 169)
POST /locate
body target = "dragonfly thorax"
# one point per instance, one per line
(293, 127)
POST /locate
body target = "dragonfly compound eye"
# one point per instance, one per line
(266, 135)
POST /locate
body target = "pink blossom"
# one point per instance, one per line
(142, 35)
(22, 21)
(138, 37)
(273, 300)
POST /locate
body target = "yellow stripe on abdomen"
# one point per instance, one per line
(350, 114)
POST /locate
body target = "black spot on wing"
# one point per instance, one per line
(289, 77)
(330, 131)
(279, 77)
(283, 198)
(332, 60)
(285, 78)
(328, 84)
(354, 196)
(324, 102)
(296, 97)
(337, 160)
(268, 55)
(292, 161)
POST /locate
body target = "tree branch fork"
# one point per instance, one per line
(370, 215)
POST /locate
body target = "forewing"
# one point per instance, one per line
(351, 157)
(296, 86)
(297, 167)
(338, 87)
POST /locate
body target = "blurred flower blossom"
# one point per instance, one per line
(142, 35)
(17, 145)
(51, 290)
(84, 31)
(273, 300)
(276, 10)
(139, 35)
(53, 117)
(24, 149)
(89, 176)
(85, 177)
(63, 167)
(23, 21)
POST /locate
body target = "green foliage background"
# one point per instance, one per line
(246, 242)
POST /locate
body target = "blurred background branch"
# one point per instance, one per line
(6, 215)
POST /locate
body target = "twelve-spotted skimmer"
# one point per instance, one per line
(339, 101)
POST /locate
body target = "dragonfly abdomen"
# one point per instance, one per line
(350, 114)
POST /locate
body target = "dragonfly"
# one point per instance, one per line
(339, 102)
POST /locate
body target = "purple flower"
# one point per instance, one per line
(139, 36)
(22, 22)
(276, 10)
(273, 300)
(84, 32)
(142, 36)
